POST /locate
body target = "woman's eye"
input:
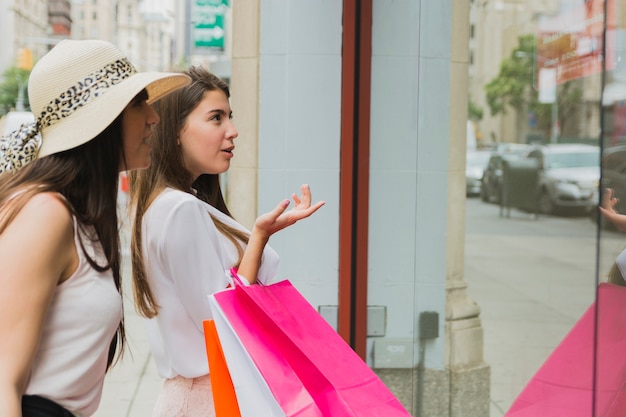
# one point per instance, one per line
(140, 98)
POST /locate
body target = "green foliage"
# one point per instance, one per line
(474, 111)
(515, 80)
(12, 79)
(515, 87)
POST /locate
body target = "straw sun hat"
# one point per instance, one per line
(76, 90)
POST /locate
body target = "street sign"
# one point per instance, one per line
(208, 25)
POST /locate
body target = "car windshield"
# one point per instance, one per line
(574, 159)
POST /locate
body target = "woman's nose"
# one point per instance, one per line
(153, 117)
(232, 131)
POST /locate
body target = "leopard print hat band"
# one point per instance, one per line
(21, 147)
(76, 91)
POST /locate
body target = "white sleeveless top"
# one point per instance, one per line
(82, 319)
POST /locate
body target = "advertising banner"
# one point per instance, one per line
(571, 43)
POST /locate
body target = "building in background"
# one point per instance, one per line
(157, 35)
(24, 25)
(59, 18)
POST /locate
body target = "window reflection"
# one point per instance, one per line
(549, 73)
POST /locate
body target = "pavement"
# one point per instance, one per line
(528, 300)
(133, 384)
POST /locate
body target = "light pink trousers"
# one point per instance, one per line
(185, 397)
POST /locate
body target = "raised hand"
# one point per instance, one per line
(609, 201)
(607, 209)
(280, 218)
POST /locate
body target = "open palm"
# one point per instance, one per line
(279, 218)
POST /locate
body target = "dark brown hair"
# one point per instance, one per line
(167, 169)
(87, 176)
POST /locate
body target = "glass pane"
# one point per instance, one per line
(546, 77)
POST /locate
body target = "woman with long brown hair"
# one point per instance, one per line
(60, 305)
(185, 241)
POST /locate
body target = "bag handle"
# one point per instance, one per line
(238, 281)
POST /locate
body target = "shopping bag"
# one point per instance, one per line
(224, 398)
(277, 320)
(268, 381)
(254, 398)
(587, 369)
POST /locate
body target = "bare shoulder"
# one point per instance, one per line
(46, 211)
(49, 205)
(43, 232)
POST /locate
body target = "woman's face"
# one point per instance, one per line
(207, 137)
(137, 120)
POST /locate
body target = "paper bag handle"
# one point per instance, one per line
(237, 279)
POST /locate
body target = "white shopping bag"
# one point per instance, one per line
(253, 394)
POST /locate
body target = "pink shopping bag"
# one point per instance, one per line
(271, 389)
(277, 321)
(587, 370)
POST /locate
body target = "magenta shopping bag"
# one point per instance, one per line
(271, 389)
(564, 385)
(289, 340)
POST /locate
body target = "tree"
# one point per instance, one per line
(515, 87)
(474, 111)
(13, 79)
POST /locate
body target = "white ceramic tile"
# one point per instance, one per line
(391, 245)
(430, 230)
(433, 113)
(393, 116)
(272, 112)
(435, 31)
(314, 113)
(274, 27)
(315, 27)
(395, 27)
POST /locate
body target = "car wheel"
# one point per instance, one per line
(546, 206)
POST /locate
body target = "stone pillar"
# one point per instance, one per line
(242, 177)
(469, 374)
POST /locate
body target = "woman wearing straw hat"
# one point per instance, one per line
(60, 305)
(185, 241)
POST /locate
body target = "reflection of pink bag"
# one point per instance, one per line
(291, 344)
(564, 385)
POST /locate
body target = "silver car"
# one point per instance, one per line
(568, 176)
(475, 164)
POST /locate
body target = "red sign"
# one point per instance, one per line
(572, 41)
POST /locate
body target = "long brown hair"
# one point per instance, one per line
(615, 276)
(167, 169)
(87, 176)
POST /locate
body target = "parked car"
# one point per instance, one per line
(568, 176)
(475, 164)
(491, 189)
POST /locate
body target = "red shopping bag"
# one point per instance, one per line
(587, 370)
(224, 397)
(286, 337)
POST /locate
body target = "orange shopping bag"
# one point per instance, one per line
(224, 397)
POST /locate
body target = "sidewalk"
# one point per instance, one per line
(131, 387)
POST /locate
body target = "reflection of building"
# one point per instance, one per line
(509, 19)
(515, 18)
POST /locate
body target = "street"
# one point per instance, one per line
(533, 279)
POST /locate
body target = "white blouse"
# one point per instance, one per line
(187, 258)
